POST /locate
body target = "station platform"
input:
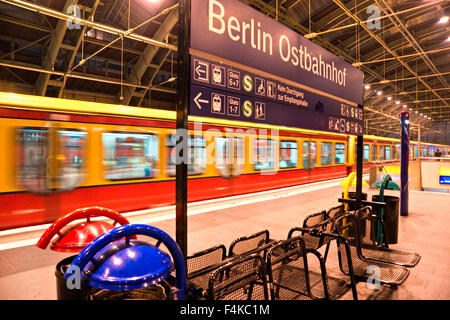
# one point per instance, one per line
(27, 272)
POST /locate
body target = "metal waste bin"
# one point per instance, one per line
(390, 217)
(66, 236)
(125, 268)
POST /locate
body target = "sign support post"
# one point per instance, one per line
(182, 107)
(404, 164)
(359, 168)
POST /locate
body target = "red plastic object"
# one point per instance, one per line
(75, 238)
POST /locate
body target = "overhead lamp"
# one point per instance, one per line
(404, 106)
(448, 39)
(367, 86)
(444, 19)
(313, 35)
(389, 98)
(397, 102)
(421, 114)
(379, 93)
(416, 111)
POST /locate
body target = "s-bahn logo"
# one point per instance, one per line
(247, 83)
(247, 108)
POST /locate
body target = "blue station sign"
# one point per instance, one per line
(219, 90)
(293, 82)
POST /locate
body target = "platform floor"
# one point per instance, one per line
(27, 272)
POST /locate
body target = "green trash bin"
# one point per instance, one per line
(391, 217)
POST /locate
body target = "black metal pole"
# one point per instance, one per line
(404, 164)
(359, 168)
(183, 89)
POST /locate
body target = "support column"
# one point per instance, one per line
(359, 166)
(183, 90)
(404, 195)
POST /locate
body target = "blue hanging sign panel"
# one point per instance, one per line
(300, 84)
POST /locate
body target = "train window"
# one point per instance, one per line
(416, 152)
(196, 155)
(288, 154)
(397, 151)
(130, 155)
(326, 153)
(230, 155)
(374, 152)
(309, 155)
(424, 152)
(339, 156)
(387, 153)
(71, 158)
(263, 154)
(33, 159)
(366, 153)
(381, 155)
(431, 152)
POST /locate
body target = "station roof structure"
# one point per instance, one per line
(405, 55)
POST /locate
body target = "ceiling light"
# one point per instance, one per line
(389, 98)
(416, 111)
(404, 106)
(367, 86)
(421, 114)
(397, 102)
(379, 93)
(448, 39)
(444, 19)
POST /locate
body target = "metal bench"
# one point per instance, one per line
(376, 252)
(201, 264)
(389, 274)
(288, 270)
(236, 277)
(316, 231)
(249, 243)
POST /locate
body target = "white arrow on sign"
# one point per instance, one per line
(197, 100)
(199, 70)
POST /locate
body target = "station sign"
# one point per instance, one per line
(221, 91)
(234, 31)
(295, 82)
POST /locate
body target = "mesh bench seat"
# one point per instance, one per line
(390, 273)
(249, 243)
(403, 258)
(316, 234)
(238, 279)
(376, 252)
(288, 270)
(200, 265)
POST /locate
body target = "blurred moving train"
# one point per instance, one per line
(59, 155)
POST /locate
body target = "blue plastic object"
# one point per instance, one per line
(114, 264)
